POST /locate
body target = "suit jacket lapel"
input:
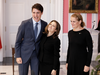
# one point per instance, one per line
(40, 34)
(31, 27)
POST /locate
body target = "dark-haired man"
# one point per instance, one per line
(27, 41)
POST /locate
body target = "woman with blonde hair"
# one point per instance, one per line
(80, 48)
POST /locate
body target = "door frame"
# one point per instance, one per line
(57, 6)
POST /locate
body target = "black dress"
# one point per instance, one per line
(79, 52)
(49, 55)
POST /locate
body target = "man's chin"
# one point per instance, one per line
(36, 20)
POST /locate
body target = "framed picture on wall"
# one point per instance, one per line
(83, 6)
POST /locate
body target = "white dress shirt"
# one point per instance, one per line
(39, 26)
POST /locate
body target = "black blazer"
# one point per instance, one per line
(49, 50)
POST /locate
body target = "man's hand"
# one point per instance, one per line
(19, 60)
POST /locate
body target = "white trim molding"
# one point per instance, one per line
(57, 14)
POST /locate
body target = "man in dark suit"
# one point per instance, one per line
(28, 40)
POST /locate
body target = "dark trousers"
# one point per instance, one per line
(33, 62)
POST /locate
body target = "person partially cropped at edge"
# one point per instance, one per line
(28, 40)
(49, 50)
(80, 47)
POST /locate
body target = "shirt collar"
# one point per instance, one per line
(34, 22)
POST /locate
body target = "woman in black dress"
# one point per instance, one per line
(80, 48)
(49, 50)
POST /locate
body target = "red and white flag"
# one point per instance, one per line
(0, 43)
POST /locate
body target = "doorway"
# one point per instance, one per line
(15, 12)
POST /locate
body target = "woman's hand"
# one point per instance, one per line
(86, 68)
(66, 66)
(53, 72)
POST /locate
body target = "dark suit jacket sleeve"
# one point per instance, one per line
(56, 53)
(19, 37)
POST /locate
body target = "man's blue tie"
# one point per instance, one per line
(36, 30)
